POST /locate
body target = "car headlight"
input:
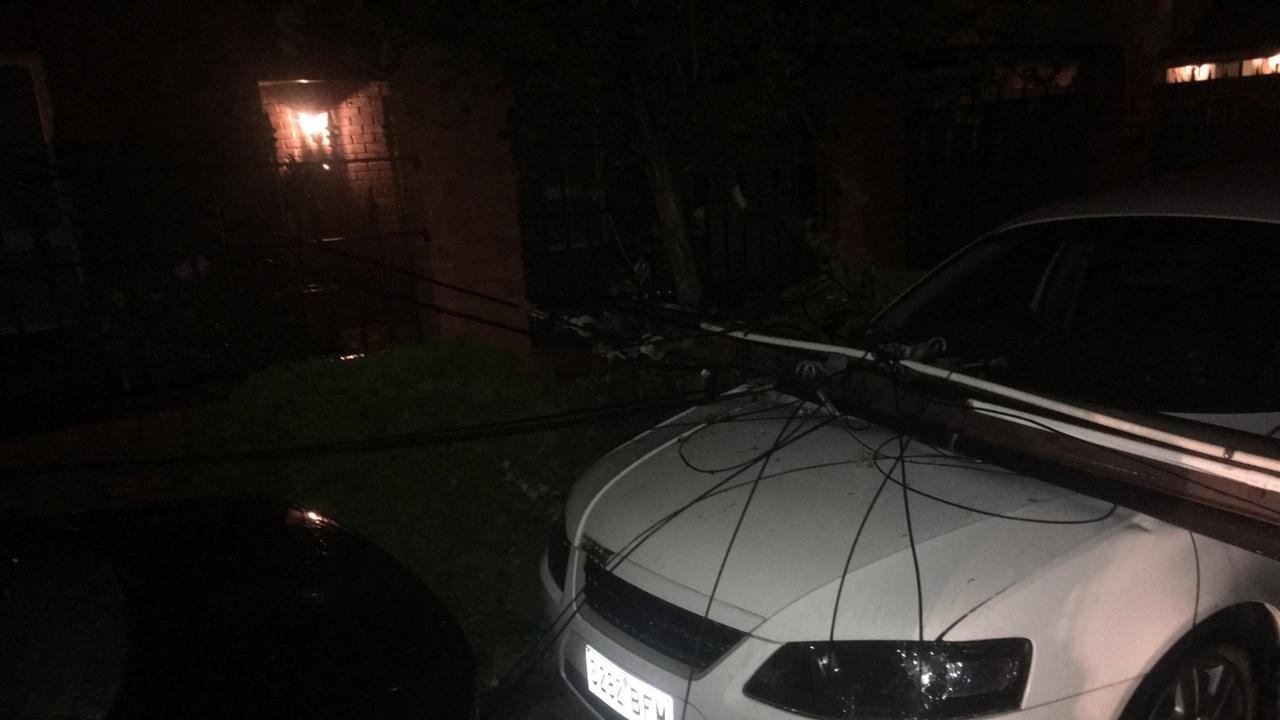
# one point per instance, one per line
(888, 680)
(558, 550)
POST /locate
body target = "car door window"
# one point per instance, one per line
(985, 305)
(1164, 314)
(1175, 314)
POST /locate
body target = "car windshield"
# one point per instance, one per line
(1164, 314)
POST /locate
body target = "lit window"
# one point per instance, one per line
(1192, 73)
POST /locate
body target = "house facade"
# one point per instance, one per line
(1046, 101)
(193, 134)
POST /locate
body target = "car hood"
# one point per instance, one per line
(683, 488)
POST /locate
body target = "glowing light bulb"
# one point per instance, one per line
(314, 124)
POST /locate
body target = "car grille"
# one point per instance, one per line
(671, 630)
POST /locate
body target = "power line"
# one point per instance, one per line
(385, 294)
(571, 609)
(526, 663)
(724, 558)
(441, 436)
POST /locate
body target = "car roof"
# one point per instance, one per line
(1242, 193)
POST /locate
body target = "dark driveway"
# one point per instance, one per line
(546, 697)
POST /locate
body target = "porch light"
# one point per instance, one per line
(314, 125)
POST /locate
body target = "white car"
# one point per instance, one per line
(873, 576)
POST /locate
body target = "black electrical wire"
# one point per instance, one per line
(724, 559)
(385, 294)
(886, 475)
(618, 558)
(733, 324)
(901, 459)
(288, 243)
(526, 663)
(697, 363)
(381, 292)
(440, 436)
(878, 454)
(682, 445)
(911, 536)
(870, 462)
(956, 462)
(848, 559)
(1002, 516)
(558, 624)
(625, 552)
(903, 440)
(729, 326)
(899, 463)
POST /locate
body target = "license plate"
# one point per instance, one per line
(629, 695)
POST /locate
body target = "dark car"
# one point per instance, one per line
(226, 608)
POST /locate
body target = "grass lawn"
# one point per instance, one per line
(468, 518)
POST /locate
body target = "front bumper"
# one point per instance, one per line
(717, 694)
(714, 693)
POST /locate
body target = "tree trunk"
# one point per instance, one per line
(672, 228)
(666, 198)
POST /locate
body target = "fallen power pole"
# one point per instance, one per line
(1215, 481)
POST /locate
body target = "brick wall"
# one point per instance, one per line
(453, 115)
(354, 113)
(352, 144)
(203, 107)
(448, 118)
(866, 167)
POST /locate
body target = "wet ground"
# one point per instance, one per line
(546, 697)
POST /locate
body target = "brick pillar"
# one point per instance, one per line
(1137, 114)
(866, 167)
(453, 115)
(1117, 85)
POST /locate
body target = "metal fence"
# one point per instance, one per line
(111, 299)
(973, 166)
(589, 225)
(1220, 122)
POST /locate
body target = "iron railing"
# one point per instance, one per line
(1213, 123)
(589, 224)
(971, 167)
(110, 299)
